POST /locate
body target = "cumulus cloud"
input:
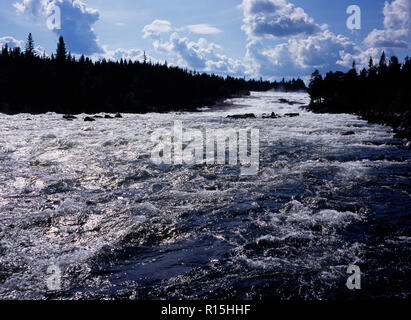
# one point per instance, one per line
(300, 56)
(77, 22)
(361, 57)
(309, 46)
(200, 55)
(397, 26)
(203, 29)
(276, 18)
(156, 28)
(385, 39)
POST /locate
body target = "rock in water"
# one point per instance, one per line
(292, 115)
(243, 116)
(348, 133)
(69, 117)
(89, 119)
(108, 117)
(272, 116)
(118, 115)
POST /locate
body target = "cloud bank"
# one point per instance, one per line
(199, 55)
(308, 45)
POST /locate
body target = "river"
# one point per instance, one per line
(88, 199)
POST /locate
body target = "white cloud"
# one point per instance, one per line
(397, 26)
(385, 39)
(309, 46)
(276, 18)
(397, 16)
(77, 22)
(300, 56)
(156, 28)
(200, 55)
(203, 29)
(361, 58)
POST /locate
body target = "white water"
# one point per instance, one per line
(74, 192)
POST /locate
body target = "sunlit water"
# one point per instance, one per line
(88, 198)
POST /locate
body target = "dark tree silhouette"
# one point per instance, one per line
(66, 85)
(382, 94)
(314, 88)
(29, 46)
(61, 53)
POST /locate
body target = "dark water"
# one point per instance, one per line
(90, 200)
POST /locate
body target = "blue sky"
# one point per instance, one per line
(252, 38)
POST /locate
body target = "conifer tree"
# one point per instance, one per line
(5, 50)
(61, 54)
(29, 46)
(382, 67)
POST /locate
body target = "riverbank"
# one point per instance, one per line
(399, 121)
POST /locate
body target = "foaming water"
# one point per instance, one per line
(88, 198)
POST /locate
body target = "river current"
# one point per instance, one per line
(88, 199)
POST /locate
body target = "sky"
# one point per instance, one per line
(246, 38)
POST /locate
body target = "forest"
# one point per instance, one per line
(380, 94)
(64, 84)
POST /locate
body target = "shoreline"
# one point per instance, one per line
(400, 122)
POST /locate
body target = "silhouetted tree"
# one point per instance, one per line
(5, 51)
(29, 46)
(61, 53)
(84, 86)
(382, 66)
(314, 88)
(380, 95)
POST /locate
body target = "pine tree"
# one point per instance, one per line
(315, 87)
(29, 46)
(371, 63)
(61, 54)
(5, 50)
(372, 71)
(382, 67)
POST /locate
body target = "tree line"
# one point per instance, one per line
(381, 93)
(62, 83)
